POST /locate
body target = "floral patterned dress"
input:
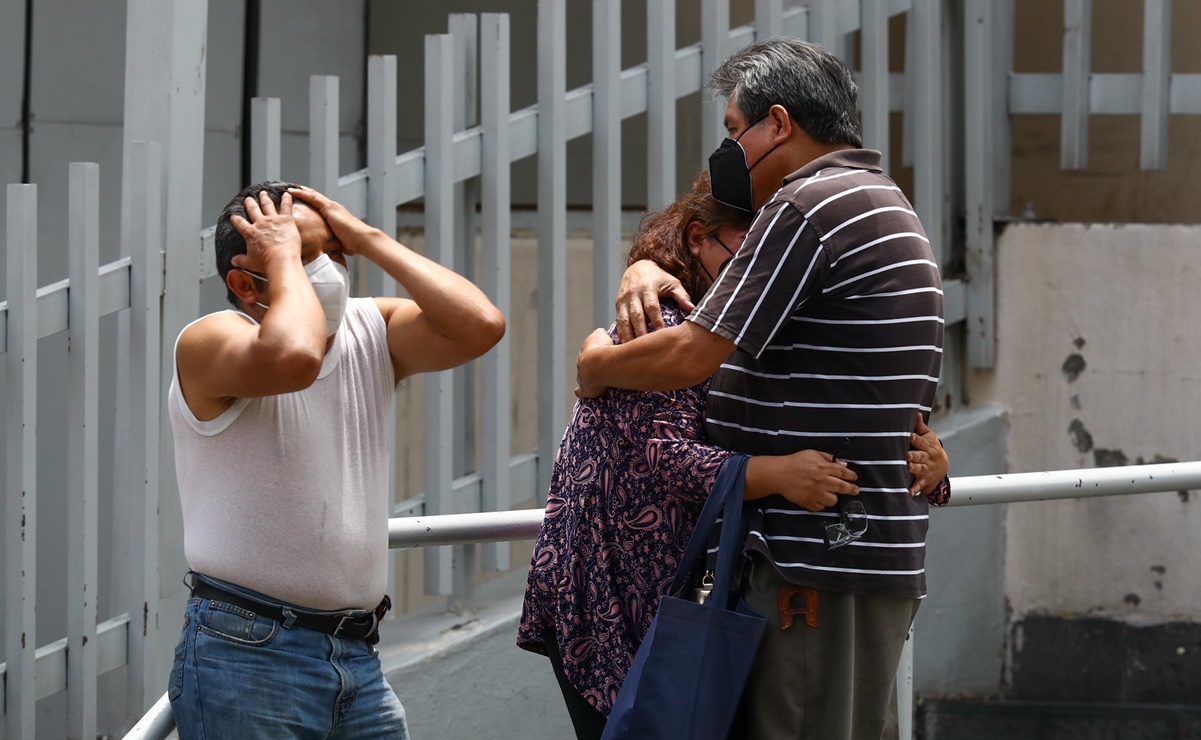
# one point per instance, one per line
(629, 480)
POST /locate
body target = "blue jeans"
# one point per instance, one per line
(239, 675)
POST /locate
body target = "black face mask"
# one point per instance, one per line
(730, 175)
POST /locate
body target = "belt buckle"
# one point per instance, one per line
(354, 622)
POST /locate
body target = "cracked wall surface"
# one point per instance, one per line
(1099, 364)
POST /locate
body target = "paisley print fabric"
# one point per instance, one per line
(629, 480)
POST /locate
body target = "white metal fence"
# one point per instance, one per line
(472, 137)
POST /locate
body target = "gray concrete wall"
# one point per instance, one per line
(959, 633)
(1097, 358)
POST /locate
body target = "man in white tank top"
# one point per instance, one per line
(280, 412)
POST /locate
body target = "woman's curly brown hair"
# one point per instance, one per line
(663, 235)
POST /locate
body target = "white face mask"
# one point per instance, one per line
(331, 283)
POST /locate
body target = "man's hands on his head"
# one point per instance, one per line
(927, 460)
(353, 233)
(642, 285)
(446, 321)
(271, 235)
(223, 356)
(810, 479)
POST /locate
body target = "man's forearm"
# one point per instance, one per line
(449, 301)
(297, 325)
(668, 359)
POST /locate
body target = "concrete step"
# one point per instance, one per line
(1030, 720)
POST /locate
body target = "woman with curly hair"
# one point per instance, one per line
(630, 477)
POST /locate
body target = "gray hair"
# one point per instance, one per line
(813, 85)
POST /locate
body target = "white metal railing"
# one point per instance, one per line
(459, 529)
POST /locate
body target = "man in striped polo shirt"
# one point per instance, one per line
(825, 331)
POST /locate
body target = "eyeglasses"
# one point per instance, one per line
(852, 524)
(717, 238)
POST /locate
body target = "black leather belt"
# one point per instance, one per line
(350, 625)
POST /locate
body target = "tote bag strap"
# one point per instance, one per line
(725, 498)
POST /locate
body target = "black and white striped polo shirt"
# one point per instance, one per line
(835, 305)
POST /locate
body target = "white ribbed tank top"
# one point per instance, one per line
(288, 495)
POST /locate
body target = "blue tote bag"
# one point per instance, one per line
(686, 680)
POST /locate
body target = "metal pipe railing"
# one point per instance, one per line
(458, 529)
(1084, 483)
(157, 724)
(462, 529)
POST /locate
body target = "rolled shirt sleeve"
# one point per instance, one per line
(780, 266)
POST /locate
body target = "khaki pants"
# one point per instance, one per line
(834, 682)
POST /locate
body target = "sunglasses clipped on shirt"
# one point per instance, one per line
(851, 526)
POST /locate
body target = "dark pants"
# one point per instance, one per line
(833, 682)
(589, 724)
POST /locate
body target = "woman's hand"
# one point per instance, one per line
(810, 479)
(928, 461)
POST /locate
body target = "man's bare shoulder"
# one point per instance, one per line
(213, 326)
(205, 340)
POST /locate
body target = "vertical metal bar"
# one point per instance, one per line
(83, 441)
(145, 291)
(715, 38)
(496, 277)
(979, 117)
(165, 78)
(439, 246)
(606, 158)
(149, 28)
(178, 192)
(20, 509)
(909, 99)
(905, 690)
(1157, 61)
(660, 102)
(381, 160)
(823, 23)
(928, 121)
(846, 19)
(323, 134)
(1002, 68)
(464, 29)
(1077, 59)
(381, 198)
(165, 82)
(264, 143)
(796, 24)
(873, 97)
(552, 234)
(769, 19)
